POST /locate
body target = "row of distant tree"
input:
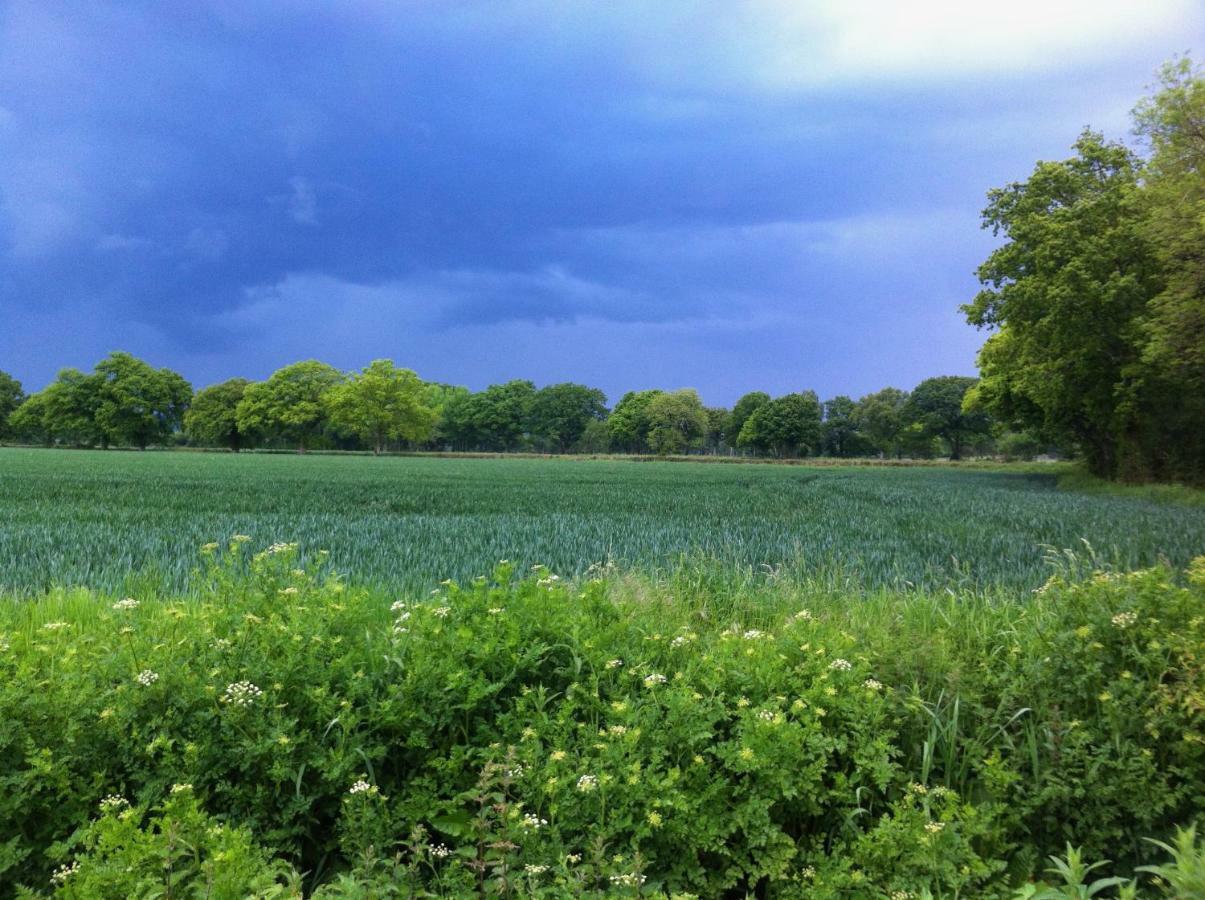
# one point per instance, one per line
(125, 401)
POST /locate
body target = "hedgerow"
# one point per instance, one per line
(283, 731)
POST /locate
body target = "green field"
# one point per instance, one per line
(122, 522)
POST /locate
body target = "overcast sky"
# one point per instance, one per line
(722, 195)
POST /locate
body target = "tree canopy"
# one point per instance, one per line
(381, 403)
(212, 418)
(11, 396)
(291, 404)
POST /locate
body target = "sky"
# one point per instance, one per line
(731, 196)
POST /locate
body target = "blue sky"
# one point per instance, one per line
(727, 196)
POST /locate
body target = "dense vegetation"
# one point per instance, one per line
(519, 735)
(1098, 295)
(130, 522)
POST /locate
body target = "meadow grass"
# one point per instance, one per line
(126, 522)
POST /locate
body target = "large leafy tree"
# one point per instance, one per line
(786, 426)
(879, 417)
(497, 419)
(677, 422)
(840, 433)
(11, 396)
(1064, 294)
(212, 417)
(291, 404)
(937, 406)
(1171, 392)
(744, 408)
(629, 421)
(138, 404)
(382, 403)
(560, 414)
(64, 411)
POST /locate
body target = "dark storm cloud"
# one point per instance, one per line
(773, 195)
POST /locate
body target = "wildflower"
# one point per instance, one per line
(901, 895)
(614, 663)
(113, 802)
(653, 679)
(54, 626)
(533, 821)
(528, 734)
(146, 677)
(768, 715)
(753, 634)
(1105, 697)
(654, 819)
(587, 783)
(497, 610)
(697, 760)
(808, 871)
(221, 644)
(557, 755)
(1083, 632)
(535, 870)
(616, 730)
(63, 873)
(803, 616)
(516, 772)
(210, 547)
(679, 641)
(441, 611)
(240, 538)
(363, 787)
(290, 591)
(1124, 619)
(241, 693)
(742, 702)
(181, 788)
(934, 827)
(439, 851)
(573, 859)
(397, 606)
(841, 665)
(746, 754)
(127, 603)
(280, 547)
(629, 880)
(872, 685)
(918, 789)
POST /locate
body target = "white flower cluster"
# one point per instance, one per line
(54, 626)
(872, 685)
(63, 873)
(934, 827)
(614, 663)
(439, 851)
(803, 615)
(241, 693)
(753, 634)
(1124, 619)
(397, 607)
(841, 665)
(631, 879)
(113, 802)
(767, 715)
(653, 679)
(146, 677)
(221, 644)
(516, 772)
(441, 611)
(127, 603)
(535, 870)
(587, 783)
(278, 547)
(181, 788)
(363, 787)
(533, 821)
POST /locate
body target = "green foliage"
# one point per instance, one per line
(291, 404)
(937, 405)
(787, 426)
(529, 736)
(629, 421)
(380, 404)
(1096, 296)
(677, 422)
(135, 404)
(880, 418)
(561, 413)
(130, 522)
(744, 408)
(841, 435)
(498, 418)
(212, 417)
(11, 396)
(174, 849)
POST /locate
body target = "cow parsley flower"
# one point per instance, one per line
(63, 873)
(533, 821)
(363, 787)
(630, 879)
(1124, 619)
(534, 869)
(127, 603)
(872, 685)
(841, 665)
(241, 693)
(146, 677)
(653, 679)
(113, 802)
(439, 851)
(587, 783)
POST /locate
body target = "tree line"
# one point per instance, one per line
(127, 402)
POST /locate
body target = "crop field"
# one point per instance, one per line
(121, 522)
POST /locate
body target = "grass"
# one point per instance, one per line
(126, 523)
